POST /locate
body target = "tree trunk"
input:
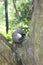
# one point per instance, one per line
(36, 32)
(5, 53)
(31, 51)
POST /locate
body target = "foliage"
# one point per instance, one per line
(15, 22)
(21, 20)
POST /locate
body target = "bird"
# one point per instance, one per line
(18, 36)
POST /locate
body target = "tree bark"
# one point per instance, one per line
(31, 51)
(36, 32)
(5, 52)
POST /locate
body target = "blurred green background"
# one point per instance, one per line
(17, 17)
